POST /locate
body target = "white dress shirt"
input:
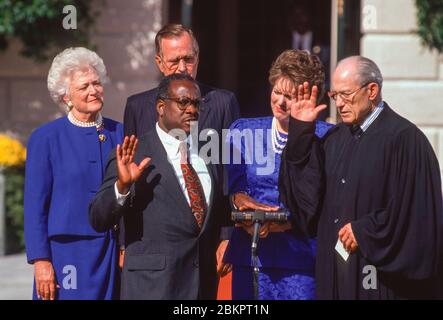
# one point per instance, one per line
(171, 146)
(302, 41)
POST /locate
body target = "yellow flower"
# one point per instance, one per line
(12, 152)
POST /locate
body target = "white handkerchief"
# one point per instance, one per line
(341, 250)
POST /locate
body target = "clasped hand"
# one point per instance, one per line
(244, 202)
(346, 236)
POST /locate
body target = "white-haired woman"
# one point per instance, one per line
(64, 169)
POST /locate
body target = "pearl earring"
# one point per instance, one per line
(70, 105)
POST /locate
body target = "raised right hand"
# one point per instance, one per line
(45, 283)
(305, 108)
(128, 171)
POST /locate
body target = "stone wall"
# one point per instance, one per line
(124, 35)
(413, 74)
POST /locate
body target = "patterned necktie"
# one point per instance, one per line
(193, 187)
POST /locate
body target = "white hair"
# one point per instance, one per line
(65, 64)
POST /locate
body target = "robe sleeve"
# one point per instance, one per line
(405, 236)
(301, 177)
(38, 192)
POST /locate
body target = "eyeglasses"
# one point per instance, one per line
(345, 96)
(185, 102)
(173, 64)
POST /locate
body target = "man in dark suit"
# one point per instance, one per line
(178, 52)
(170, 205)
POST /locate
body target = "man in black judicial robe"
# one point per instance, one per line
(373, 183)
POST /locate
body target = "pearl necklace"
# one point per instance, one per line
(98, 123)
(278, 142)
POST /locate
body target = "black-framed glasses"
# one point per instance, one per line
(345, 96)
(183, 103)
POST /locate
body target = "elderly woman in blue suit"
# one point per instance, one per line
(64, 169)
(286, 257)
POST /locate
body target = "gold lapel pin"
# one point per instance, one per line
(101, 137)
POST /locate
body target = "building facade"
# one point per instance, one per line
(124, 35)
(413, 74)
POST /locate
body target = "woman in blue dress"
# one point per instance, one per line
(286, 259)
(64, 169)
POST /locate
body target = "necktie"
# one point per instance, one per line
(356, 131)
(193, 187)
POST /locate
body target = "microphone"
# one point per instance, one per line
(260, 216)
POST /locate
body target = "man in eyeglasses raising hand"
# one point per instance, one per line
(170, 201)
(370, 191)
(177, 52)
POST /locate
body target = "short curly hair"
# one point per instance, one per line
(65, 64)
(299, 66)
(163, 87)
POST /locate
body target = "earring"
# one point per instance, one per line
(70, 105)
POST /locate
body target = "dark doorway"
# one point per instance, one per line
(240, 39)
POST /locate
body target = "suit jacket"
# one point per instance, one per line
(167, 255)
(218, 111)
(64, 169)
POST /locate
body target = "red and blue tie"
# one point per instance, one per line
(193, 187)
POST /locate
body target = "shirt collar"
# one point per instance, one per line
(170, 143)
(371, 118)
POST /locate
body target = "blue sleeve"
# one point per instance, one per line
(38, 189)
(120, 133)
(321, 128)
(236, 167)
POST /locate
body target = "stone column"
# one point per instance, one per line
(413, 74)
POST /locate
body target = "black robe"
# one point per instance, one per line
(386, 182)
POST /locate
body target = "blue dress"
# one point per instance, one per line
(64, 169)
(287, 260)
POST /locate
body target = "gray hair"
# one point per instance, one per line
(367, 70)
(65, 64)
(174, 30)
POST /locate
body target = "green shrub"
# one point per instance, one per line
(430, 23)
(14, 190)
(38, 23)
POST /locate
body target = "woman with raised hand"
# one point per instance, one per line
(286, 258)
